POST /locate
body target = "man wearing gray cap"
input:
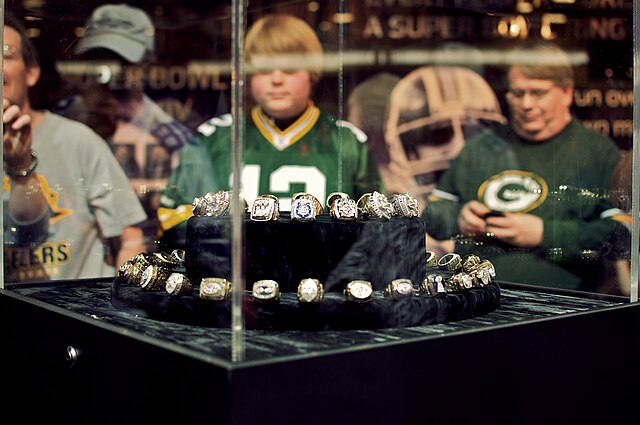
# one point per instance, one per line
(144, 138)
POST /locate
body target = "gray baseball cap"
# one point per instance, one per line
(125, 30)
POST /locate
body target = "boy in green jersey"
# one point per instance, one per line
(290, 145)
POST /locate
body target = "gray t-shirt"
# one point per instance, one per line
(90, 200)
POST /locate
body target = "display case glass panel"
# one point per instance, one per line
(404, 111)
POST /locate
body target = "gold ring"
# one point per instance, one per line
(334, 196)
(305, 207)
(178, 284)
(360, 291)
(265, 208)
(432, 259)
(398, 289)
(129, 274)
(481, 276)
(469, 262)
(310, 291)
(153, 279)
(375, 204)
(459, 282)
(433, 286)
(179, 255)
(266, 290)
(215, 288)
(165, 261)
(304, 195)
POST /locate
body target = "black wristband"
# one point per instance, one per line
(27, 171)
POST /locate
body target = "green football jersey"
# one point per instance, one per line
(564, 180)
(317, 154)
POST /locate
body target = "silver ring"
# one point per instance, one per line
(405, 205)
(398, 289)
(178, 284)
(434, 286)
(266, 290)
(376, 205)
(215, 288)
(344, 209)
(450, 261)
(310, 291)
(432, 259)
(360, 291)
(265, 208)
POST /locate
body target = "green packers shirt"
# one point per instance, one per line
(317, 154)
(564, 180)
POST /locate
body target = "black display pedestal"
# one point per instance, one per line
(335, 252)
(533, 361)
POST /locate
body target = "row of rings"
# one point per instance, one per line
(306, 207)
(220, 289)
(454, 262)
(153, 272)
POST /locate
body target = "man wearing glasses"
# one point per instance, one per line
(532, 195)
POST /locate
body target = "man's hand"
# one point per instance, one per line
(471, 219)
(521, 230)
(16, 138)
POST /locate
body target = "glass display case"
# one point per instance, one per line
(319, 210)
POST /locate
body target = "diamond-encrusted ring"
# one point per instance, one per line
(303, 195)
(459, 282)
(215, 288)
(266, 290)
(153, 278)
(486, 265)
(375, 204)
(469, 262)
(305, 207)
(432, 259)
(310, 291)
(450, 261)
(359, 291)
(178, 284)
(344, 209)
(433, 286)
(398, 289)
(405, 205)
(265, 208)
(334, 196)
(481, 276)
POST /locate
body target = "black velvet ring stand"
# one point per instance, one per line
(334, 252)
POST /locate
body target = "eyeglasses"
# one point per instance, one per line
(10, 52)
(517, 96)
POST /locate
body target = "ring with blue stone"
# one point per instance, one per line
(433, 286)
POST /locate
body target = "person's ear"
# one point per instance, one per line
(33, 75)
(568, 94)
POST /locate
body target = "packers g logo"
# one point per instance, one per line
(513, 191)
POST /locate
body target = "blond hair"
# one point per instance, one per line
(283, 42)
(546, 61)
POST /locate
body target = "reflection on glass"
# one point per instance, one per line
(421, 84)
